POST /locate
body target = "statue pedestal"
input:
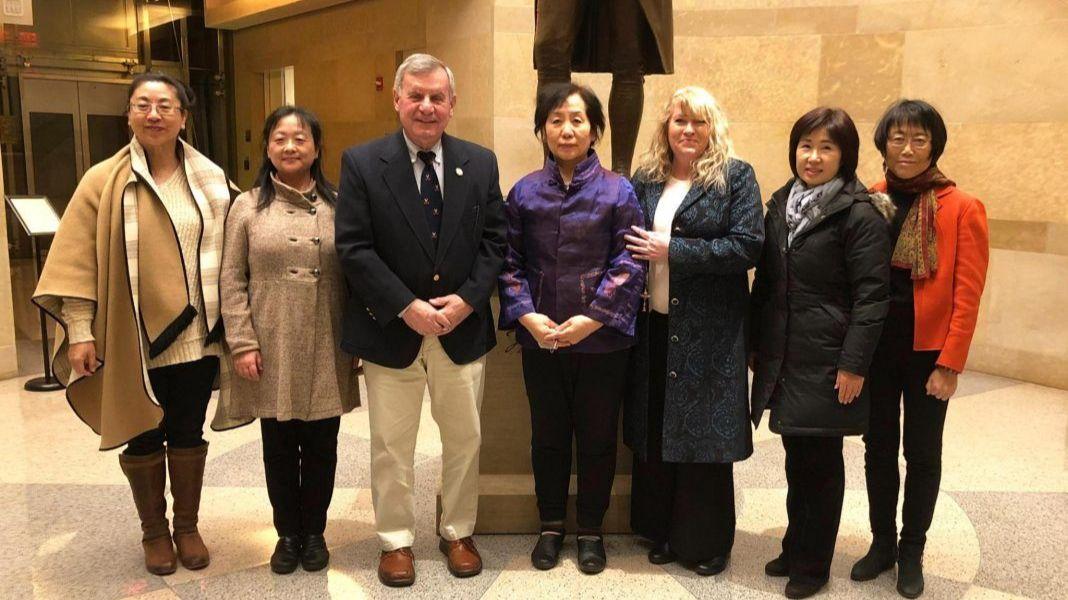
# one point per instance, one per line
(506, 502)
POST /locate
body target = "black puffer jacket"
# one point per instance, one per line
(818, 306)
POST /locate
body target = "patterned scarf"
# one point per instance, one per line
(805, 204)
(917, 247)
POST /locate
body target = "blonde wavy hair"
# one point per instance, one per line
(710, 169)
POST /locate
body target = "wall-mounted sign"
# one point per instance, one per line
(18, 12)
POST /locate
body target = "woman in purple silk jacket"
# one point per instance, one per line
(574, 290)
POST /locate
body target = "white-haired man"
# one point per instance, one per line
(420, 234)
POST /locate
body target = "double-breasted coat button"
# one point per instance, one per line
(316, 240)
(437, 277)
(674, 301)
(673, 375)
(674, 338)
(316, 272)
(311, 211)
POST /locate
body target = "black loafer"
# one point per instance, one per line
(712, 566)
(777, 567)
(796, 589)
(661, 554)
(880, 558)
(547, 551)
(591, 557)
(910, 577)
(315, 556)
(286, 555)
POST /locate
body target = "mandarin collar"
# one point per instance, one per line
(584, 171)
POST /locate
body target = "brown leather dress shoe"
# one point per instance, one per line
(396, 568)
(464, 560)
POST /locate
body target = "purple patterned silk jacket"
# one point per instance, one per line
(566, 254)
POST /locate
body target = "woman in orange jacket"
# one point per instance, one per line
(938, 269)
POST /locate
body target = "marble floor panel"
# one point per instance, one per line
(68, 528)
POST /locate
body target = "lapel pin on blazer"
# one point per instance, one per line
(459, 172)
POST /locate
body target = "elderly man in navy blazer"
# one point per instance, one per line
(421, 237)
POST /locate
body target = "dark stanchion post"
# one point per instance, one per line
(48, 383)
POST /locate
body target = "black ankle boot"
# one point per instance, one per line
(910, 577)
(591, 556)
(314, 556)
(796, 589)
(286, 555)
(880, 557)
(712, 566)
(777, 567)
(661, 554)
(547, 551)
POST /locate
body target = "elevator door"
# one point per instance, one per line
(70, 125)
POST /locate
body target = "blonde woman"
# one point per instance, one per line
(687, 418)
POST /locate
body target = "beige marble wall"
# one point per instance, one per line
(336, 53)
(994, 69)
(9, 364)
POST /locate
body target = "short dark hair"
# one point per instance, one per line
(181, 91)
(553, 95)
(326, 190)
(841, 130)
(918, 114)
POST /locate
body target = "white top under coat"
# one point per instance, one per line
(674, 193)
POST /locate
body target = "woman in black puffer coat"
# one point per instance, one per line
(819, 300)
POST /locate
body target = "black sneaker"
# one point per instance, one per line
(315, 556)
(591, 557)
(286, 555)
(546, 552)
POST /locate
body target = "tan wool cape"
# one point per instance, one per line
(112, 213)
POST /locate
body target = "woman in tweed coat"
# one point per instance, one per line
(282, 297)
(687, 419)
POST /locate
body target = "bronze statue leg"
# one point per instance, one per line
(554, 40)
(627, 98)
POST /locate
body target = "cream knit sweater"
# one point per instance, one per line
(178, 199)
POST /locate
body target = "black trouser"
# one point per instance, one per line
(688, 505)
(558, 27)
(183, 392)
(815, 478)
(898, 370)
(574, 394)
(299, 460)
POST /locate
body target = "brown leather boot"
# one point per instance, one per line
(148, 476)
(186, 466)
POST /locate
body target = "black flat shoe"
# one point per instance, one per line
(547, 551)
(777, 567)
(712, 566)
(661, 554)
(879, 559)
(796, 589)
(910, 577)
(286, 555)
(315, 556)
(591, 557)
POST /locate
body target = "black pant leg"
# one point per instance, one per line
(704, 520)
(183, 392)
(886, 379)
(653, 480)
(318, 464)
(599, 384)
(822, 480)
(925, 420)
(551, 430)
(281, 465)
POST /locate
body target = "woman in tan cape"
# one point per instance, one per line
(132, 277)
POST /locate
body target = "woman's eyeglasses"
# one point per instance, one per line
(164, 110)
